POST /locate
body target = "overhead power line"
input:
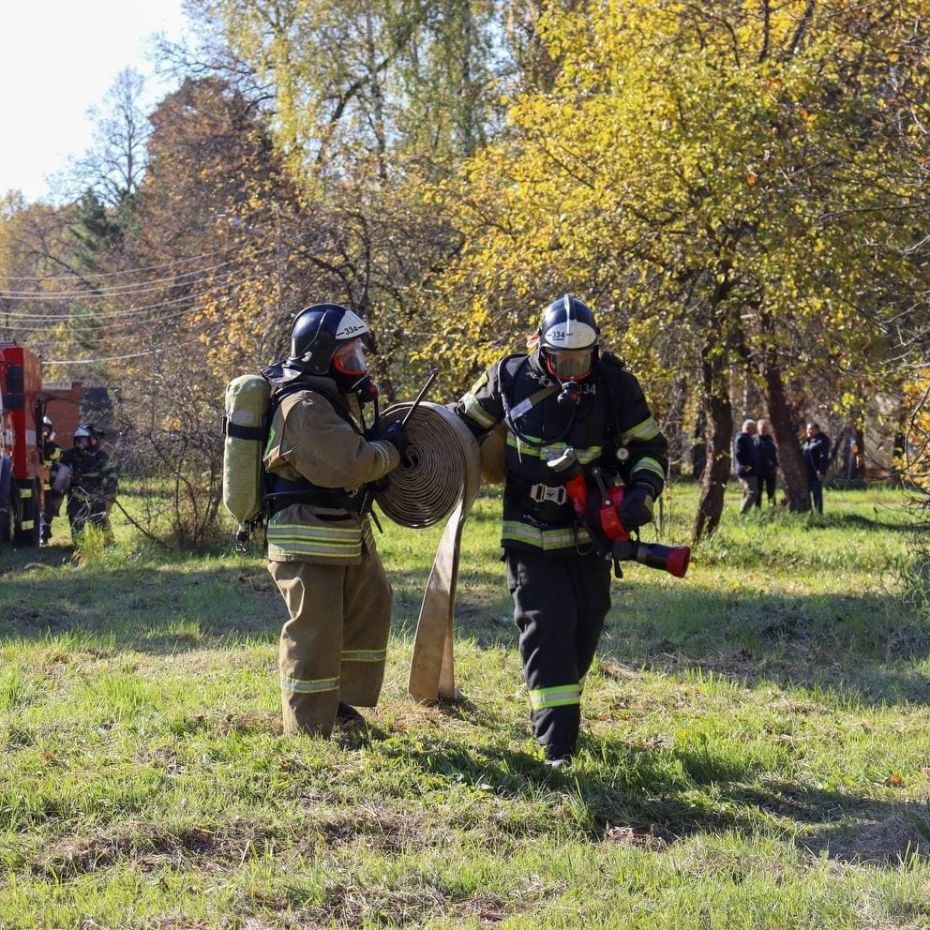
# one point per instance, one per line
(107, 358)
(111, 327)
(52, 318)
(114, 274)
(216, 286)
(139, 287)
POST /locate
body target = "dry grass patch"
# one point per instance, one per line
(148, 846)
(882, 838)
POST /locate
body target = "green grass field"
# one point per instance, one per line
(756, 752)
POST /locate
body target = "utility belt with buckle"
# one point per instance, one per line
(553, 494)
(284, 492)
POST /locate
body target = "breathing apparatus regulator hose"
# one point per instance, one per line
(439, 476)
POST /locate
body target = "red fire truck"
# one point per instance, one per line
(21, 466)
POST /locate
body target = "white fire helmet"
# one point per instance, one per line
(568, 338)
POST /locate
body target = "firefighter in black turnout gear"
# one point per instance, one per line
(51, 499)
(564, 394)
(93, 482)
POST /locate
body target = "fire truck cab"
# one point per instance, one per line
(21, 458)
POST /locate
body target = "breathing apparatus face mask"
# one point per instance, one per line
(349, 369)
(569, 364)
(349, 359)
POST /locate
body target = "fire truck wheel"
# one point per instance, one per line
(26, 530)
(6, 501)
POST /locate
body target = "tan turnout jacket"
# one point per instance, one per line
(309, 439)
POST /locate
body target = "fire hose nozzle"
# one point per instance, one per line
(671, 559)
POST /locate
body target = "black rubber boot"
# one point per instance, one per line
(558, 757)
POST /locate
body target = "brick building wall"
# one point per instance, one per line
(63, 408)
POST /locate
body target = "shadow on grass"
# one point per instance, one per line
(855, 521)
(863, 647)
(843, 826)
(168, 608)
(655, 797)
(162, 604)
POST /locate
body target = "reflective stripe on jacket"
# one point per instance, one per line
(298, 534)
(611, 413)
(311, 440)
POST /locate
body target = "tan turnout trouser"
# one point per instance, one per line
(334, 645)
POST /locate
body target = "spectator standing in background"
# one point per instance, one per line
(766, 461)
(744, 460)
(815, 450)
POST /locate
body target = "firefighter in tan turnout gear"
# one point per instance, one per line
(320, 459)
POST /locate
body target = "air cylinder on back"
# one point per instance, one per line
(247, 399)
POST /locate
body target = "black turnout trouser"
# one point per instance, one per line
(88, 510)
(559, 606)
(51, 508)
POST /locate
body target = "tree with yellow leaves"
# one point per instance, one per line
(727, 173)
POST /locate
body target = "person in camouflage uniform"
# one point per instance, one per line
(94, 482)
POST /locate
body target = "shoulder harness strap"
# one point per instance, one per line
(511, 414)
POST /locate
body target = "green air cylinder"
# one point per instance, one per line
(247, 399)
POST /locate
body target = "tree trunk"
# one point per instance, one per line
(793, 470)
(792, 465)
(698, 450)
(719, 433)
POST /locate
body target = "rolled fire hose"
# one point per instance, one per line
(439, 477)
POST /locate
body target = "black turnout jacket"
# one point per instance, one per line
(610, 427)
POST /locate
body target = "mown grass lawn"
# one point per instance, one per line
(756, 752)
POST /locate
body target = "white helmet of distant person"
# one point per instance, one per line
(83, 435)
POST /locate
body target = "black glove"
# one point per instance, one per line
(396, 435)
(636, 509)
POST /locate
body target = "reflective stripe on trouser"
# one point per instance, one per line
(558, 696)
(566, 538)
(559, 607)
(334, 645)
